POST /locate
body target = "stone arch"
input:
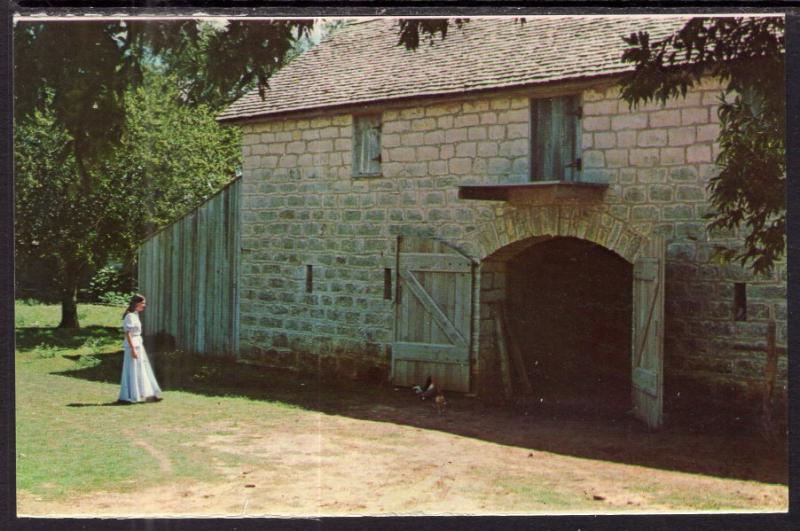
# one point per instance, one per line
(526, 223)
(512, 230)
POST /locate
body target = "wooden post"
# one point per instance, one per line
(770, 372)
(516, 355)
(502, 350)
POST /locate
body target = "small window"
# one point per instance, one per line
(309, 278)
(740, 301)
(367, 145)
(555, 130)
(387, 284)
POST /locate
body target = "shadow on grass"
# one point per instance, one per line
(33, 337)
(101, 404)
(709, 450)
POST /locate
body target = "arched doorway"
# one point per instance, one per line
(569, 307)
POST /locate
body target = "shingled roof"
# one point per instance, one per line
(362, 62)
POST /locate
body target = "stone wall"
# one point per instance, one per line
(302, 207)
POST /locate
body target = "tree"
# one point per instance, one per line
(747, 55)
(169, 158)
(85, 139)
(86, 146)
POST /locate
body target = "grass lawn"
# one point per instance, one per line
(230, 439)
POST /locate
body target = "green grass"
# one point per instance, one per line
(70, 435)
(72, 438)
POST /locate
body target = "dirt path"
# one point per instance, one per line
(386, 459)
(164, 464)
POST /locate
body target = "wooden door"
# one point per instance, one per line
(433, 315)
(648, 334)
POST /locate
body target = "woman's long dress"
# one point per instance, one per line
(138, 381)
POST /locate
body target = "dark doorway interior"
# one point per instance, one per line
(569, 306)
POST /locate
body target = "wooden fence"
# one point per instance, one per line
(189, 272)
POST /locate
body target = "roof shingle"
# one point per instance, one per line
(363, 63)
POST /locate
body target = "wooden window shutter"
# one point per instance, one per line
(554, 132)
(367, 145)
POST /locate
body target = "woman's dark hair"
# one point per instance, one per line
(136, 299)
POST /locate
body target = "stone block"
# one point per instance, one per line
(329, 132)
(690, 193)
(681, 136)
(593, 158)
(626, 139)
(604, 140)
(593, 108)
(445, 122)
(412, 139)
(677, 212)
(399, 126)
(683, 174)
(499, 166)
(660, 192)
(288, 161)
(514, 115)
(698, 153)
(488, 118)
(400, 154)
(497, 132)
(514, 148)
(696, 115)
(673, 155)
(644, 213)
(652, 138)
(644, 157)
(447, 151)
(412, 112)
(651, 175)
(423, 124)
(433, 137)
(475, 106)
(389, 140)
(596, 123)
(438, 167)
(517, 130)
(427, 153)
(416, 169)
(466, 120)
(499, 104)
(634, 194)
(460, 165)
(629, 121)
(665, 118)
(310, 134)
(296, 147)
(452, 136)
(443, 109)
(487, 149)
(466, 149)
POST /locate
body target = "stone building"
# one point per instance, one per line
(487, 210)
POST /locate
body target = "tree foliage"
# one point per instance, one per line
(747, 56)
(91, 137)
(168, 158)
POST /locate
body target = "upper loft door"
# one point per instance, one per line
(433, 315)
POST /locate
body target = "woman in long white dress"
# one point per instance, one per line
(138, 381)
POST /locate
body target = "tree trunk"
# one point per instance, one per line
(69, 302)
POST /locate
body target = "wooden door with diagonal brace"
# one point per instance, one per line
(433, 315)
(648, 333)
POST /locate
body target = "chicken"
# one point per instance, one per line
(440, 402)
(426, 391)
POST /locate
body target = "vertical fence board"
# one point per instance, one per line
(189, 272)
